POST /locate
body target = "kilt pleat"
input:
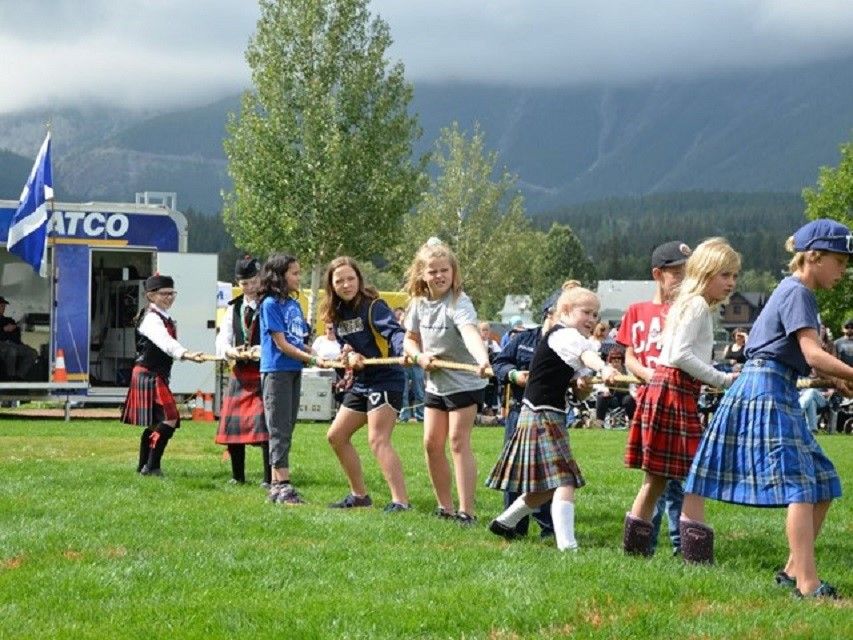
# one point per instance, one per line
(665, 430)
(758, 449)
(538, 457)
(149, 399)
(242, 415)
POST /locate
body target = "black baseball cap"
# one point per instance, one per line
(3, 300)
(670, 254)
(550, 303)
(847, 323)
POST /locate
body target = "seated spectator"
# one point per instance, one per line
(735, 354)
(599, 334)
(327, 346)
(490, 400)
(16, 358)
(516, 325)
(607, 399)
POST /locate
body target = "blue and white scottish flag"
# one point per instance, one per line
(28, 231)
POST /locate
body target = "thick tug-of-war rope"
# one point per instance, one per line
(618, 381)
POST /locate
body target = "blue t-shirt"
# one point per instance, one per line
(281, 315)
(792, 306)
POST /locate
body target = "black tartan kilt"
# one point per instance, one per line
(242, 415)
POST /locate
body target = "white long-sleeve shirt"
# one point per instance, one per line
(688, 343)
(225, 337)
(152, 327)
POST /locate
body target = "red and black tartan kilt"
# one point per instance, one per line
(665, 431)
(242, 416)
(149, 399)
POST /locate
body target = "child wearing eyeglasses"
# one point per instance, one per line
(150, 402)
(758, 449)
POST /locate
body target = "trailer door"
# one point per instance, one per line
(195, 312)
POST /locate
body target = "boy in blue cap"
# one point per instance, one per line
(758, 449)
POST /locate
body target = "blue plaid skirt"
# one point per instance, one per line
(758, 449)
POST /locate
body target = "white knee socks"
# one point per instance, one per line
(515, 512)
(563, 515)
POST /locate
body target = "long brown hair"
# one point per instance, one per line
(332, 302)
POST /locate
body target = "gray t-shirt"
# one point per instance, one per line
(438, 323)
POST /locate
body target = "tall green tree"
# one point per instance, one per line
(320, 153)
(560, 256)
(833, 198)
(479, 213)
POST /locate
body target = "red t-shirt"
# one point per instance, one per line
(641, 329)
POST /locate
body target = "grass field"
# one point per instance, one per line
(89, 549)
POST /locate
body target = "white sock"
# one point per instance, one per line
(515, 512)
(563, 515)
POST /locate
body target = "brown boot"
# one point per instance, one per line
(637, 539)
(697, 542)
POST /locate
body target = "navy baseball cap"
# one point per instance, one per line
(550, 303)
(823, 234)
(670, 254)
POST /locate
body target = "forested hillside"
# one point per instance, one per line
(620, 233)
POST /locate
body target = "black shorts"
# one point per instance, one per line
(455, 401)
(367, 402)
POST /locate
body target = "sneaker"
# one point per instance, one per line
(274, 489)
(465, 519)
(444, 514)
(289, 496)
(265, 485)
(825, 590)
(500, 529)
(396, 507)
(236, 481)
(352, 501)
(784, 580)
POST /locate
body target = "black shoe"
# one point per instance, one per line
(396, 507)
(784, 580)
(825, 590)
(444, 514)
(465, 519)
(500, 529)
(145, 471)
(352, 501)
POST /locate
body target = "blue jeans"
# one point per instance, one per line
(414, 387)
(812, 401)
(543, 514)
(670, 501)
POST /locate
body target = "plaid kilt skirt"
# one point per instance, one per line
(538, 456)
(758, 449)
(242, 419)
(149, 400)
(665, 430)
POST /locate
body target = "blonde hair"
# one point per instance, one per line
(711, 257)
(571, 297)
(800, 258)
(432, 249)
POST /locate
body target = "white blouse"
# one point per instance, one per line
(688, 343)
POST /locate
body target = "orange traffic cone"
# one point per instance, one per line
(198, 409)
(60, 374)
(208, 407)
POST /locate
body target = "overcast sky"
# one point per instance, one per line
(158, 53)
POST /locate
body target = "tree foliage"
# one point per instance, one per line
(833, 198)
(480, 215)
(320, 153)
(559, 256)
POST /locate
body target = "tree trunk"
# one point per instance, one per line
(315, 290)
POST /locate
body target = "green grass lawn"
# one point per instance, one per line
(89, 549)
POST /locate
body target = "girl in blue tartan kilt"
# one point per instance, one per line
(242, 419)
(367, 328)
(537, 461)
(149, 401)
(758, 449)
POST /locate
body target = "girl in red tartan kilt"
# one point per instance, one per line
(149, 401)
(665, 431)
(537, 460)
(242, 416)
